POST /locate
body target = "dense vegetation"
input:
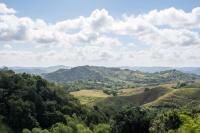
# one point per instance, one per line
(30, 101)
(30, 104)
(91, 77)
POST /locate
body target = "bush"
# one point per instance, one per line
(131, 120)
(163, 122)
(102, 128)
(26, 131)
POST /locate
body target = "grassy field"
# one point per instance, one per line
(130, 91)
(162, 96)
(90, 93)
(114, 104)
(169, 85)
(176, 98)
(88, 97)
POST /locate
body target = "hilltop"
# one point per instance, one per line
(105, 77)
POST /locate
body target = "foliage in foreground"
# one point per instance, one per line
(30, 101)
(131, 120)
(74, 125)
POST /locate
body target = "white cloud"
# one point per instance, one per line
(100, 20)
(166, 37)
(7, 46)
(14, 28)
(150, 34)
(173, 17)
(87, 29)
(5, 10)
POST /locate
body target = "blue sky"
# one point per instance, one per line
(100, 32)
(56, 10)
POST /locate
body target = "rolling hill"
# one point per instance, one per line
(113, 77)
(114, 104)
(186, 96)
(191, 70)
(74, 74)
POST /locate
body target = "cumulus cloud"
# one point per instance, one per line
(166, 37)
(5, 10)
(150, 34)
(173, 17)
(87, 29)
(171, 37)
(14, 28)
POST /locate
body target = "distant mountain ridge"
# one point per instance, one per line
(41, 70)
(37, 70)
(76, 73)
(117, 75)
(192, 70)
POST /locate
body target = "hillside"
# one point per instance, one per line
(177, 98)
(161, 97)
(190, 70)
(113, 104)
(74, 74)
(87, 77)
(32, 102)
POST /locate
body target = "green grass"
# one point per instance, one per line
(113, 104)
(89, 101)
(163, 96)
(177, 98)
(130, 91)
(89, 97)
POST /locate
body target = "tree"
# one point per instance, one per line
(189, 124)
(4, 128)
(163, 122)
(82, 129)
(61, 128)
(102, 128)
(131, 120)
(30, 102)
(26, 131)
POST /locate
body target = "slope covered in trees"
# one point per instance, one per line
(91, 77)
(30, 101)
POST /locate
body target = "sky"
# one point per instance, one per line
(100, 32)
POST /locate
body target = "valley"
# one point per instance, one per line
(98, 95)
(100, 66)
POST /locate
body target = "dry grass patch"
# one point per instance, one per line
(89, 93)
